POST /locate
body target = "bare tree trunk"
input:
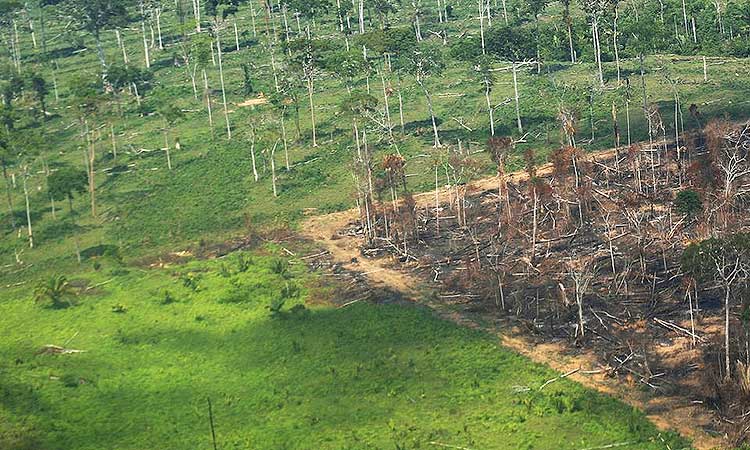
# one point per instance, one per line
(432, 112)
(273, 168)
(534, 225)
(615, 45)
(147, 56)
(54, 81)
(28, 207)
(166, 146)
(92, 176)
(386, 105)
(490, 109)
(207, 95)
(727, 366)
(114, 142)
(684, 17)
(518, 105)
(569, 27)
(597, 49)
(283, 136)
(401, 106)
(481, 24)
(252, 155)
(310, 88)
(121, 44)
(158, 27)
(223, 89)
(9, 197)
(361, 16)
(17, 46)
(252, 19)
(100, 55)
(437, 203)
(76, 238)
(197, 14)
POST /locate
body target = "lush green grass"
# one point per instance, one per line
(365, 376)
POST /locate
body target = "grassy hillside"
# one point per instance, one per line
(144, 208)
(365, 376)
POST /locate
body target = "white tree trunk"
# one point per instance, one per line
(490, 109)
(432, 113)
(158, 27)
(223, 89)
(310, 88)
(207, 95)
(121, 44)
(197, 14)
(283, 137)
(386, 106)
(273, 169)
(727, 365)
(481, 25)
(166, 147)
(518, 104)
(146, 56)
(28, 209)
(252, 156)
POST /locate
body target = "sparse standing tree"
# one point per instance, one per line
(63, 184)
(95, 16)
(425, 62)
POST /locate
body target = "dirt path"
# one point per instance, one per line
(675, 413)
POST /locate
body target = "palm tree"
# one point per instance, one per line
(56, 291)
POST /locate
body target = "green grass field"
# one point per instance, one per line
(362, 377)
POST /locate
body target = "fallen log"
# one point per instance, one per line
(50, 349)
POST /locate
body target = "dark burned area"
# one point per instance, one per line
(588, 251)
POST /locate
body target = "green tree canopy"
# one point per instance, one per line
(65, 182)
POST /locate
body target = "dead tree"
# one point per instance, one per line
(498, 148)
(724, 262)
(581, 271)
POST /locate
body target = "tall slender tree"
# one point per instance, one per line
(95, 16)
(63, 184)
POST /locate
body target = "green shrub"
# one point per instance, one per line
(290, 290)
(276, 306)
(190, 281)
(236, 294)
(70, 380)
(119, 272)
(55, 292)
(110, 250)
(243, 262)
(167, 298)
(280, 267)
(688, 202)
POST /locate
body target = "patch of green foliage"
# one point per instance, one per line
(279, 374)
(688, 202)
